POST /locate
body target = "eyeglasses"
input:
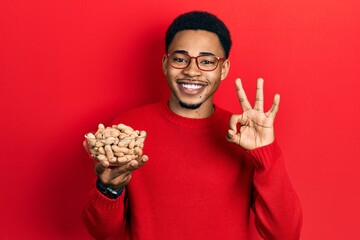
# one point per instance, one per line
(204, 62)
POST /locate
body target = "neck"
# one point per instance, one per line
(204, 111)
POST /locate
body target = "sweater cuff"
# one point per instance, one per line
(265, 157)
(102, 202)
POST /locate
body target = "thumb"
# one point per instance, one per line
(100, 167)
(232, 136)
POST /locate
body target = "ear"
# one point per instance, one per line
(225, 67)
(164, 64)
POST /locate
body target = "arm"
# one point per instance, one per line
(101, 215)
(278, 213)
(276, 206)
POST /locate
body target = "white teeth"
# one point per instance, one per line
(191, 86)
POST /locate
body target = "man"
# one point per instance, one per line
(209, 168)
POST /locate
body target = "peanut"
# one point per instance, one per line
(115, 148)
(108, 140)
(101, 157)
(116, 144)
(101, 150)
(99, 144)
(132, 143)
(113, 159)
(109, 152)
(122, 159)
(119, 154)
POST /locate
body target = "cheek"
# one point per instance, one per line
(215, 86)
(173, 74)
(214, 78)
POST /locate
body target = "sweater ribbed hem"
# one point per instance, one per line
(265, 157)
(100, 201)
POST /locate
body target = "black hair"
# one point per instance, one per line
(199, 20)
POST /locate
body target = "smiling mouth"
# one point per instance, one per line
(191, 87)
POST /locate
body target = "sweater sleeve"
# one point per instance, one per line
(277, 209)
(103, 216)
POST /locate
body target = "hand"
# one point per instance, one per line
(117, 177)
(256, 126)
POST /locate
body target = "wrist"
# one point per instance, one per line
(107, 191)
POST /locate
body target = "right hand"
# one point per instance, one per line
(256, 126)
(118, 177)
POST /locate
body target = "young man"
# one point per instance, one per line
(208, 168)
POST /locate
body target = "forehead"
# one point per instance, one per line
(195, 42)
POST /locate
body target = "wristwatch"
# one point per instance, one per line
(108, 191)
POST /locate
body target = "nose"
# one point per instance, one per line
(192, 69)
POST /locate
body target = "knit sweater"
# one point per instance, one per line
(196, 185)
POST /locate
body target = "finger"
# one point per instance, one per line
(234, 119)
(245, 105)
(233, 135)
(99, 168)
(259, 97)
(134, 164)
(144, 159)
(275, 106)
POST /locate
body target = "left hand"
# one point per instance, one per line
(256, 126)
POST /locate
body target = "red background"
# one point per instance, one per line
(67, 65)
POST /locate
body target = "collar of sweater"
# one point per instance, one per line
(185, 122)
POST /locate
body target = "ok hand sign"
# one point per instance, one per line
(256, 126)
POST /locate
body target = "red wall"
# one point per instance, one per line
(67, 65)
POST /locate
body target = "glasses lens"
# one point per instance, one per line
(179, 60)
(207, 62)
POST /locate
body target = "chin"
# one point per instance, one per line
(192, 106)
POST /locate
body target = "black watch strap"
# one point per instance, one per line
(108, 191)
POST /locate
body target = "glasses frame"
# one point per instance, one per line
(196, 61)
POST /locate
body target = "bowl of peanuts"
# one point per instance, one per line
(117, 144)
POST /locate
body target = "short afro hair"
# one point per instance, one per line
(199, 20)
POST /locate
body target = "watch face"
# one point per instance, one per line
(110, 195)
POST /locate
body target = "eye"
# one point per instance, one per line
(179, 60)
(207, 60)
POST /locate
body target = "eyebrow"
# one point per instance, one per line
(201, 53)
(206, 53)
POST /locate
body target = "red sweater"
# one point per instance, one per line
(196, 185)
